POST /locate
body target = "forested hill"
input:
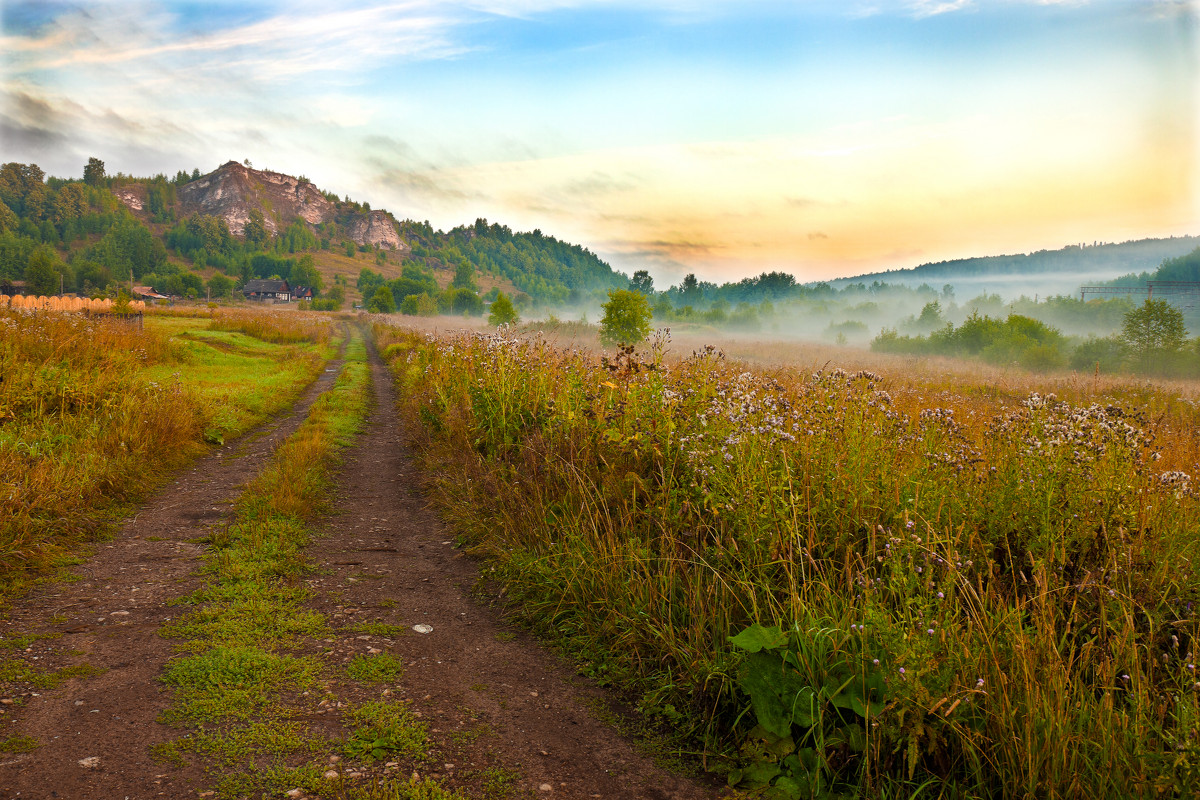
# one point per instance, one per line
(195, 233)
(1091, 262)
(553, 272)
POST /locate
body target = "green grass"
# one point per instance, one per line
(234, 683)
(497, 782)
(375, 668)
(17, 672)
(18, 744)
(238, 379)
(380, 629)
(382, 730)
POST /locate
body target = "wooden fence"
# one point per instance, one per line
(69, 304)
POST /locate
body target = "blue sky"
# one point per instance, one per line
(724, 138)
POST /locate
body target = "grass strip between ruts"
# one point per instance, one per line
(240, 682)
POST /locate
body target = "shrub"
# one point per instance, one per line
(382, 302)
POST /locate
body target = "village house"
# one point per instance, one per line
(12, 288)
(147, 293)
(267, 290)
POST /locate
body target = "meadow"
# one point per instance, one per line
(95, 412)
(829, 582)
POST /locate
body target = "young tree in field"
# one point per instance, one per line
(1154, 333)
(503, 312)
(336, 295)
(382, 302)
(626, 318)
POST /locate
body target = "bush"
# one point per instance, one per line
(382, 301)
(1103, 355)
(460, 301)
(419, 305)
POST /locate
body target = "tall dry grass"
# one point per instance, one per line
(1014, 570)
(277, 327)
(80, 428)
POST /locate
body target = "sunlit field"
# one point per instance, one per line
(94, 412)
(942, 579)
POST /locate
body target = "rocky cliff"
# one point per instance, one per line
(234, 190)
(377, 228)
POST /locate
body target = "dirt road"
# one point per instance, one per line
(506, 717)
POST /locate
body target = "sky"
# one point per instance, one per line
(825, 138)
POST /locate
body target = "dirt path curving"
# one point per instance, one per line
(108, 619)
(499, 703)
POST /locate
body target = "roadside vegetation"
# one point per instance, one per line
(95, 412)
(840, 584)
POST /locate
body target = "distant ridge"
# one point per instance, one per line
(1067, 266)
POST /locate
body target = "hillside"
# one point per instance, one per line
(200, 234)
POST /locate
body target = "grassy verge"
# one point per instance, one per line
(841, 583)
(243, 683)
(95, 412)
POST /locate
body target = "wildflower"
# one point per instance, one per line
(875, 661)
(902, 670)
(909, 525)
(979, 683)
(941, 596)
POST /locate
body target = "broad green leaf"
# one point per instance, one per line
(756, 638)
(767, 686)
(760, 774)
(805, 707)
(788, 788)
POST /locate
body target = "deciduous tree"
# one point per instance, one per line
(642, 282)
(382, 301)
(1155, 334)
(502, 311)
(626, 318)
(93, 173)
(44, 275)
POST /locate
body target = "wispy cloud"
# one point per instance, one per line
(931, 8)
(284, 45)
